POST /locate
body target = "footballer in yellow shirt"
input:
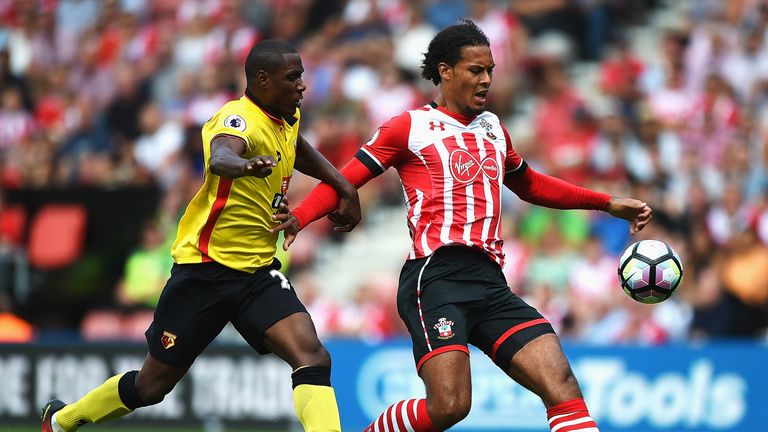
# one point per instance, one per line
(225, 269)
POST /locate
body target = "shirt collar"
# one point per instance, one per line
(463, 119)
(275, 118)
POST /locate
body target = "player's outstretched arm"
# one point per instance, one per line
(547, 191)
(544, 190)
(227, 162)
(635, 211)
(309, 161)
(321, 201)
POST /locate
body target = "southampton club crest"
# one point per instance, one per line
(488, 128)
(443, 328)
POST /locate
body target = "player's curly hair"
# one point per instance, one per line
(266, 55)
(446, 47)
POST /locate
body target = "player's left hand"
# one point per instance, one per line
(283, 207)
(288, 223)
(635, 211)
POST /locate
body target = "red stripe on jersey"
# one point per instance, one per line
(459, 195)
(494, 241)
(222, 194)
(481, 199)
(429, 231)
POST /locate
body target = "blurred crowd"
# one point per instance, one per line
(666, 101)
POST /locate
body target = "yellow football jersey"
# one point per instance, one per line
(228, 219)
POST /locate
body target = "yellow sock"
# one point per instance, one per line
(316, 408)
(99, 405)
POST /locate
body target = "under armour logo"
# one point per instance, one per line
(433, 126)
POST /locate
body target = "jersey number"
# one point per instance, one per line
(277, 200)
(284, 284)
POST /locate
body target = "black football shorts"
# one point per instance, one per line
(458, 295)
(199, 299)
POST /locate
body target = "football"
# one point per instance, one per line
(650, 271)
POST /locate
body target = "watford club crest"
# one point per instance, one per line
(443, 328)
(168, 340)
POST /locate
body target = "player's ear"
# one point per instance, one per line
(445, 71)
(262, 78)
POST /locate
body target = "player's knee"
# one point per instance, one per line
(154, 392)
(562, 387)
(565, 379)
(449, 409)
(315, 355)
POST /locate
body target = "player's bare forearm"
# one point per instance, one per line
(227, 162)
(312, 163)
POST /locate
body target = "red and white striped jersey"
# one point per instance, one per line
(452, 170)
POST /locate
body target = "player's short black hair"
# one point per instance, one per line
(266, 55)
(446, 47)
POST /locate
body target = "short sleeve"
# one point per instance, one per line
(387, 145)
(232, 120)
(513, 162)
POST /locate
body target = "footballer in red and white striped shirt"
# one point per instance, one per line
(453, 158)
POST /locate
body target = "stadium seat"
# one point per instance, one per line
(101, 325)
(13, 220)
(56, 235)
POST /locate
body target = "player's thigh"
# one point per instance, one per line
(507, 325)
(524, 345)
(194, 307)
(271, 316)
(448, 383)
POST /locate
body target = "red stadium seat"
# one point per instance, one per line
(13, 220)
(56, 235)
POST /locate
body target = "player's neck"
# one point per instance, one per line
(452, 110)
(256, 101)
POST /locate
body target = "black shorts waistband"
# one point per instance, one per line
(217, 266)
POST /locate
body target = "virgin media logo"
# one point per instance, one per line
(465, 167)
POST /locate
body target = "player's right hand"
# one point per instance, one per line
(348, 214)
(259, 166)
(635, 211)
